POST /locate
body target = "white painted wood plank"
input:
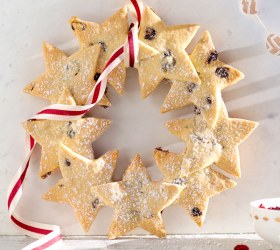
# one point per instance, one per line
(183, 242)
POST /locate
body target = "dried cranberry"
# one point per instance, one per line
(96, 76)
(197, 110)
(103, 46)
(71, 133)
(274, 208)
(73, 68)
(270, 208)
(46, 175)
(191, 86)
(196, 212)
(95, 203)
(213, 56)
(150, 33)
(168, 61)
(67, 162)
(160, 149)
(261, 206)
(241, 247)
(222, 72)
(104, 106)
(209, 100)
(180, 181)
(198, 137)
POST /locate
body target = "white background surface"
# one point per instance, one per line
(137, 124)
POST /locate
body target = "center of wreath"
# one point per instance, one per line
(137, 124)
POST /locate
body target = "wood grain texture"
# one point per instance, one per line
(182, 242)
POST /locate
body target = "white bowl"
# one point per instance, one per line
(266, 221)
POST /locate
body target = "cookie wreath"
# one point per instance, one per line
(198, 79)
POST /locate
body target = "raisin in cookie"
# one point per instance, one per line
(137, 201)
(214, 75)
(200, 186)
(172, 62)
(207, 144)
(79, 175)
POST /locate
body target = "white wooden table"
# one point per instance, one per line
(182, 242)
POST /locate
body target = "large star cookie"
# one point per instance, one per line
(75, 73)
(214, 75)
(172, 62)
(207, 144)
(79, 175)
(78, 134)
(137, 200)
(110, 34)
(200, 186)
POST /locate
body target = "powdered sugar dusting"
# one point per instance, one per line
(136, 198)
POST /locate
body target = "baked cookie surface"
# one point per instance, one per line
(207, 144)
(137, 201)
(200, 186)
(214, 75)
(172, 62)
(75, 73)
(78, 135)
(79, 175)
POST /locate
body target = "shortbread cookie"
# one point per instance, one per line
(207, 144)
(79, 175)
(89, 34)
(78, 135)
(172, 62)
(110, 34)
(199, 186)
(137, 200)
(214, 75)
(75, 72)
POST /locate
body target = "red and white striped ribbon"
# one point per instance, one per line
(49, 236)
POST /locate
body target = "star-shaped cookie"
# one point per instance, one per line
(79, 175)
(75, 73)
(137, 200)
(207, 144)
(78, 135)
(90, 33)
(172, 62)
(200, 186)
(214, 75)
(110, 34)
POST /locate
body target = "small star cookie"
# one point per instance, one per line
(200, 186)
(79, 175)
(78, 134)
(207, 144)
(172, 62)
(137, 200)
(214, 75)
(75, 73)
